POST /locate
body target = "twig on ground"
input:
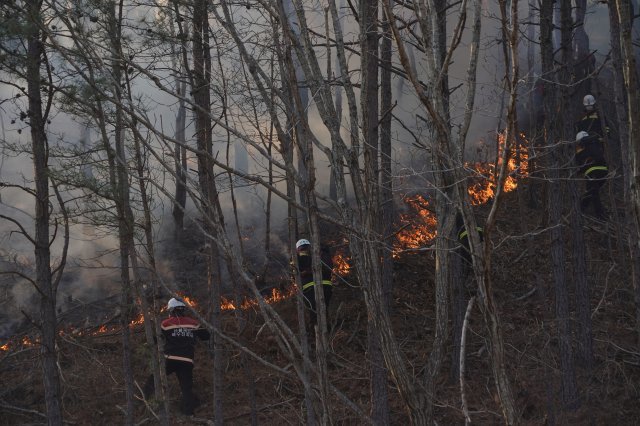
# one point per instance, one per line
(259, 409)
(604, 292)
(463, 342)
(526, 295)
(27, 411)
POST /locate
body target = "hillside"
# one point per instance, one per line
(91, 364)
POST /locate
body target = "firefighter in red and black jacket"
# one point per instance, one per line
(180, 332)
(305, 266)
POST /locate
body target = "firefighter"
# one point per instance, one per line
(180, 332)
(591, 122)
(305, 267)
(593, 167)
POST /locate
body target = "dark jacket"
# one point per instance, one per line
(590, 156)
(180, 333)
(591, 123)
(305, 264)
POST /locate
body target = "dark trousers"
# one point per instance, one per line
(184, 372)
(591, 197)
(310, 302)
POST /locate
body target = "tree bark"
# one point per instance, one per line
(629, 67)
(208, 190)
(553, 132)
(370, 111)
(44, 283)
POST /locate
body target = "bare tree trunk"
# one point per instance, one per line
(569, 387)
(386, 202)
(583, 294)
(125, 226)
(578, 62)
(629, 67)
(209, 195)
(44, 283)
(620, 101)
(147, 294)
(179, 151)
(370, 112)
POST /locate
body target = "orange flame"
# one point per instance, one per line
(418, 226)
(188, 300)
(275, 296)
(341, 264)
(137, 321)
(483, 186)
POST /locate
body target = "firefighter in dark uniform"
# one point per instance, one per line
(180, 332)
(305, 267)
(590, 121)
(593, 167)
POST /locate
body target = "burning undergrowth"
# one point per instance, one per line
(415, 228)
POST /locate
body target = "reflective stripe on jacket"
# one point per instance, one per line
(312, 283)
(595, 168)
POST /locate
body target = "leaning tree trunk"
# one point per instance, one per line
(46, 289)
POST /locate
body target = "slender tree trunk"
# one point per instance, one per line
(46, 289)
(629, 67)
(288, 68)
(386, 202)
(147, 293)
(553, 133)
(620, 102)
(370, 112)
(578, 62)
(209, 196)
(178, 56)
(125, 226)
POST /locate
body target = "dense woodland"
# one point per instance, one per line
(180, 148)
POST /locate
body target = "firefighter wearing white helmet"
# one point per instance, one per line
(593, 168)
(589, 102)
(305, 267)
(591, 121)
(175, 303)
(180, 332)
(301, 243)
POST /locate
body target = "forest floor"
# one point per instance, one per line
(91, 365)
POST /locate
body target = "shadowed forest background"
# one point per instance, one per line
(151, 150)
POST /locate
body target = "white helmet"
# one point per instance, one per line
(581, 135)
(175, 303)
(302, 242)
(588, 101)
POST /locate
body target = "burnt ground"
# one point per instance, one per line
(91, 365)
